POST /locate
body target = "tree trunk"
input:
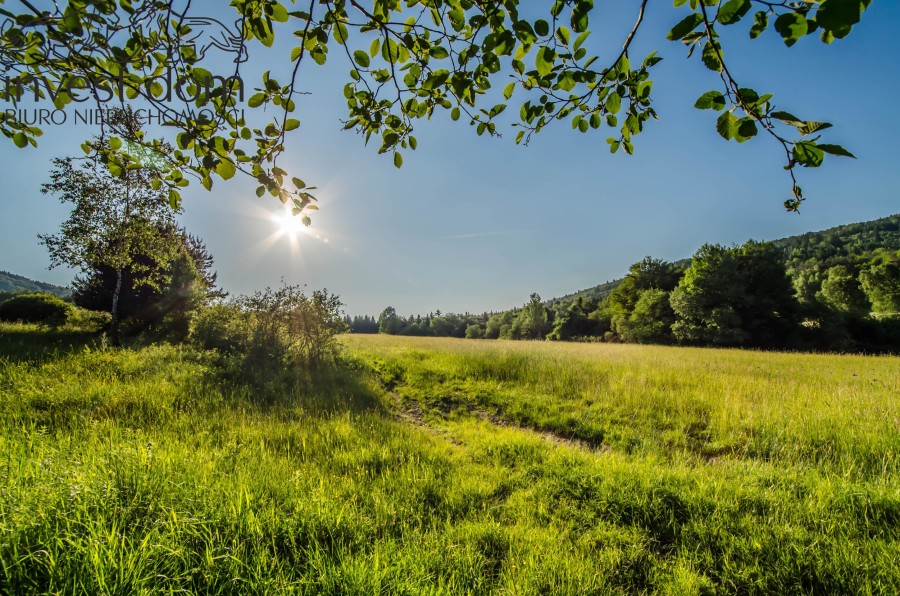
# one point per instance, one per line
(114, 324)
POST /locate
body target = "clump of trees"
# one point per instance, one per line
(739, 296)
(184, 283)
(116, 218)
(361, 324)
(434, 324)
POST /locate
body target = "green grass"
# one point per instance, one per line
(441, 466)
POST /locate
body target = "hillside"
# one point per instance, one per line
(808, 253)
(12, 283)
(843, 245)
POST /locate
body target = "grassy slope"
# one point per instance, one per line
(690, 471)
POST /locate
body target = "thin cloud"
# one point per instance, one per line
(472, 235)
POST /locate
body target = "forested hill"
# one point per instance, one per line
(807, 255)
(843, 245)
(12, 283)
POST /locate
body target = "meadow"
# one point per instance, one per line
(440, 466)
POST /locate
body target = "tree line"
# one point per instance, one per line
(834, 290)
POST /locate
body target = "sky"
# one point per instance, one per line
(474, 224)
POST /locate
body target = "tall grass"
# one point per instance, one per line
(835, 413)
(415, 469)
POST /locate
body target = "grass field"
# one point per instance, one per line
(425, 466)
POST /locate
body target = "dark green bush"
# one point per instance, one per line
(36, 308)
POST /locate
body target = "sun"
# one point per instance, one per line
(290, 224)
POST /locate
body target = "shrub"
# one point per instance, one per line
(289, 327)
(222, 327)
(36, 308)
(283, 326)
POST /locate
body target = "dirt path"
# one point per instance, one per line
(411, 412)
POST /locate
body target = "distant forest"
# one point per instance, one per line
(838, 289)
(11, 283)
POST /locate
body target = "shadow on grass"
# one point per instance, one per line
(34, 343)
(331, 389)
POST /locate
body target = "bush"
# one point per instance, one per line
(36, 308)
(222, 327)
(283, 327)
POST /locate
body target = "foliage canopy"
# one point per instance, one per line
(407, 60)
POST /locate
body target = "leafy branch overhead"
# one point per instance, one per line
(475, 59)
(744, 111)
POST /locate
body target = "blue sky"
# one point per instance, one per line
(473, 224)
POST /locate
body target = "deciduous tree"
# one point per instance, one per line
(114, 220)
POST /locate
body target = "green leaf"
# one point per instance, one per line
(340, 33)
(543, 60)
(279, 13)
(746, 130)
(685, 26)
(710, 56)
(835, 150)
(811, 126)
(398, 160)
(361, 58)
(760, 23)
(579, 20)
(787, 118)
(579, 41)
(733, 11)
(792, 27)
(256, 100)
(438, 53)
(71, 22)
(20, 140)
(727, 126)
(226, 169)
(711, 100)
(613, 103)
(808, 154)
(291, 124)
(838, 16)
